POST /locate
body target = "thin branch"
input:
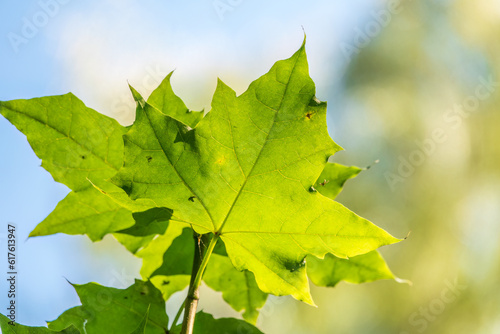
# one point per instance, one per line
(199, 266)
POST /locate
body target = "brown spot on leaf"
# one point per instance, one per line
(324, 182)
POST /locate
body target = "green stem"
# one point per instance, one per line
(206, 257)
(194, 287)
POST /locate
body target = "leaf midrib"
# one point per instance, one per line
(137, 313)
(175, 169)
(219, 231)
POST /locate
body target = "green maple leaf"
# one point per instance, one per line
(205, 323)
(142, 328)
(7, 328)
(363, 268)
(164, 260)
(75, 143)
(252, 173)
(137, 309)
(245, 174)
(333, 177)
(117, 310)
(110, 310)
(75, 316)
(358, 269)
(239, 288)
(85, 212)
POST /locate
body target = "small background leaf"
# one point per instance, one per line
(167, 260)
(205, 323)
(239, 288)
(118, 311)
(141, 329)
(364, 268)
(74, 316)
(20, 329)
(332, 179)
(357, 269)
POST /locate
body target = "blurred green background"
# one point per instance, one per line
(425, 73)
(414, 84)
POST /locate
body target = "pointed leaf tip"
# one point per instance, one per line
(164, 99)
(137, 96)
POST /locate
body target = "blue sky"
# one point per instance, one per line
(92, 48)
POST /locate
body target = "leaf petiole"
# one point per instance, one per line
(193, 296)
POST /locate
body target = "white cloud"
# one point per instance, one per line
(103, 45)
